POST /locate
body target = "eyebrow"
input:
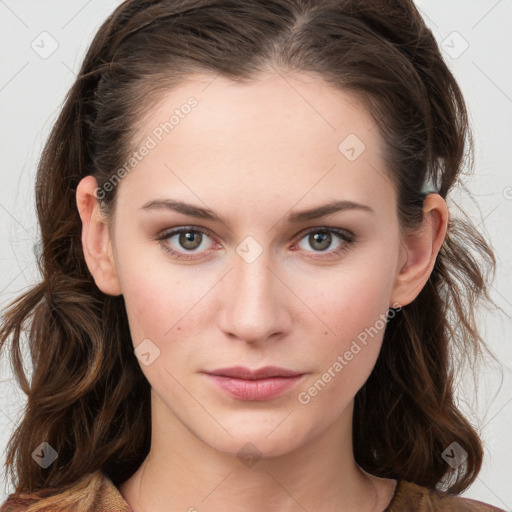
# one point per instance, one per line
(292, 218)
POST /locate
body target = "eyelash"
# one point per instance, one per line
(346, 237)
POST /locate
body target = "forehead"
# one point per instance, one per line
(294, 133)
(310, 110)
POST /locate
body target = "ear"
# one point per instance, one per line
(96, 241)
(421, 248)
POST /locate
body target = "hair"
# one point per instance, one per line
(88, 397)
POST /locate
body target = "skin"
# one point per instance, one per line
(252, 154)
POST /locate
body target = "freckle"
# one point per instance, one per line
(326, 332)
(179, 328)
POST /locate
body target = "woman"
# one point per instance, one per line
(251, 280)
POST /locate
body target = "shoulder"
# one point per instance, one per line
(411, 497)
(109, 498)
(103, 495)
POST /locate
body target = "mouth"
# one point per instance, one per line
(241, 372)
(254, 385)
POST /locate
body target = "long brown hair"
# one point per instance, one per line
(88, 397)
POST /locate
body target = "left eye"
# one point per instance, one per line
(320, 239)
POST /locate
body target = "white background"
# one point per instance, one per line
(32, 89)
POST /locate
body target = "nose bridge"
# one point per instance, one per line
(252, 308)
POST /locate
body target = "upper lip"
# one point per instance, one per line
(241, 372)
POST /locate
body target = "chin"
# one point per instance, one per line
(257, 442)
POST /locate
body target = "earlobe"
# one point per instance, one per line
(96, 242)
(421, 248)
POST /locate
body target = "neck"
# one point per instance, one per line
(181, 472)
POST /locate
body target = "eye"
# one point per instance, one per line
(188, 242)
(184, 242)
(321, 239)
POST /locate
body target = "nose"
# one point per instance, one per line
(253, 303)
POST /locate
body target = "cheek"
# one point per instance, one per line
(344, 360)
(160, 314)
(156, 304)
(356, 299)
(353, 307)
(157, 294)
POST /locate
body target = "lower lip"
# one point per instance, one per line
(257, 389)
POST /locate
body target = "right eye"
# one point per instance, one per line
(183, 243)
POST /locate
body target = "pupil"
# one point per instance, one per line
(324, 239)
(187, 240)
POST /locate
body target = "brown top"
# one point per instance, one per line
(408, 497)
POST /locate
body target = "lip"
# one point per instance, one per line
(241, 372)
(255, 385)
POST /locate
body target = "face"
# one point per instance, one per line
(253, 283)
